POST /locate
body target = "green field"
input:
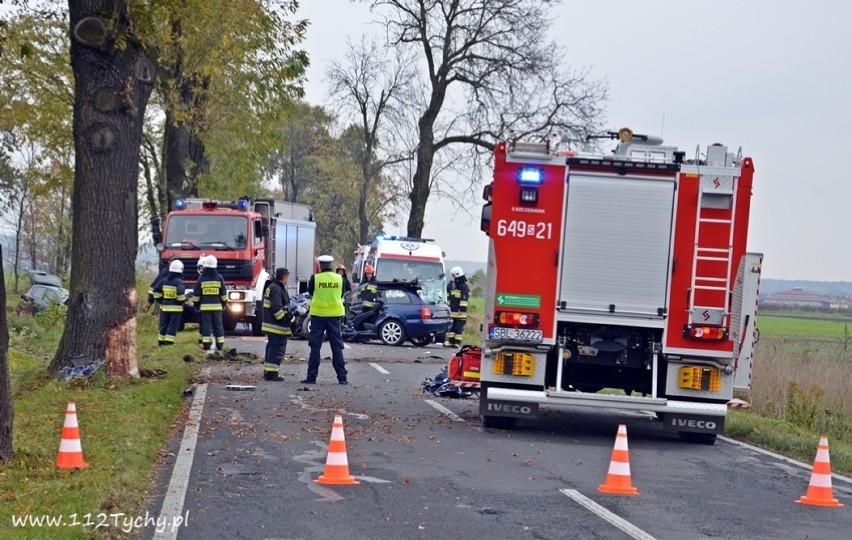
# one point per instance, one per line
(790, 326)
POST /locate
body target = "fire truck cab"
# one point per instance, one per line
(618, 281)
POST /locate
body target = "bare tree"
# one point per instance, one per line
(373, 89)
(492, 60)
(113, 78)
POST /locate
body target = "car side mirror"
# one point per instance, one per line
(25, 297)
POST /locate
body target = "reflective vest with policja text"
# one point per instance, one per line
(327, 298)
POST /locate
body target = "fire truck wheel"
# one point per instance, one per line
(498, 422)
(229, 324)
(391, 332)
(257, 321)
(697, 438)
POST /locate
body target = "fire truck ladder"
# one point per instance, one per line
(706, 256)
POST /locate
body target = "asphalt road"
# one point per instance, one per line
(427, 469)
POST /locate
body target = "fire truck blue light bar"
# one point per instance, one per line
(529, 175)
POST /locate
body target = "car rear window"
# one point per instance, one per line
(396, 297)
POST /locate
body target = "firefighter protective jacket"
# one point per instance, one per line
(368, 293)
(164, 271)
(210, 293)
(276, 309)
(170, 292)
(459, 293)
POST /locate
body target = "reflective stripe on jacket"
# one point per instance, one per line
(276, 310)
(458, 297)
(368, 293)
(170, 292)
(209, 293)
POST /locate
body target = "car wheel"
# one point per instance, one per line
(391, 332)
(306, 327)
(421, 341)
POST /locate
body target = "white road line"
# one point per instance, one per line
(380, 369)
(602, 512)
(176, 493)
(783, 458)
(448, 412)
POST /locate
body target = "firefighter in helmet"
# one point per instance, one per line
(276, 323)
(170, 293)
(458, 293)
(210, 297)
(368, 294)
(162, 273)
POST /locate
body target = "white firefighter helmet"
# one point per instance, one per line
(211, 262)
(176, 266)
(202, 262)
(456, 272)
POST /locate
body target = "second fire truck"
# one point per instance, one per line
(618, 281)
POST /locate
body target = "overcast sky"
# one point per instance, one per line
(774, 77)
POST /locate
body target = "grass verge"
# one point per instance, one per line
(787, 439)
(124, 425)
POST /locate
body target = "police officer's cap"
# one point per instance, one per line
(325, 259)
(281, 272)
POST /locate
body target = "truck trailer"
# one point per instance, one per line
(618, 281)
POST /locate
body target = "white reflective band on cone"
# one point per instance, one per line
(619, 467)
(336, 458)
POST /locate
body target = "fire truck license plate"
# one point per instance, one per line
(516, 334)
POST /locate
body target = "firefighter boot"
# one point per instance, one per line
(272, 376)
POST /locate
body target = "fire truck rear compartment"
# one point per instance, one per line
(596, 357)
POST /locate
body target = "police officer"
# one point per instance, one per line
(327, 290)
(370, 304)
(170, 293)
(459, 293)
(276, 323)
(210, 297)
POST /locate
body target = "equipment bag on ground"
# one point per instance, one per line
(464, 365)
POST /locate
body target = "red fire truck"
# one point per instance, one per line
(249, 239)
(618, 281)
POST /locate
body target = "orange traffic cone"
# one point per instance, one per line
(819, 489)
(618, 478)
(70, 448)
(336, 464)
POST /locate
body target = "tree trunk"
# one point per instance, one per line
(113, 80)
(363, 219)
(420, 185)
(176, 157)
(7, 411)
(425, 157)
